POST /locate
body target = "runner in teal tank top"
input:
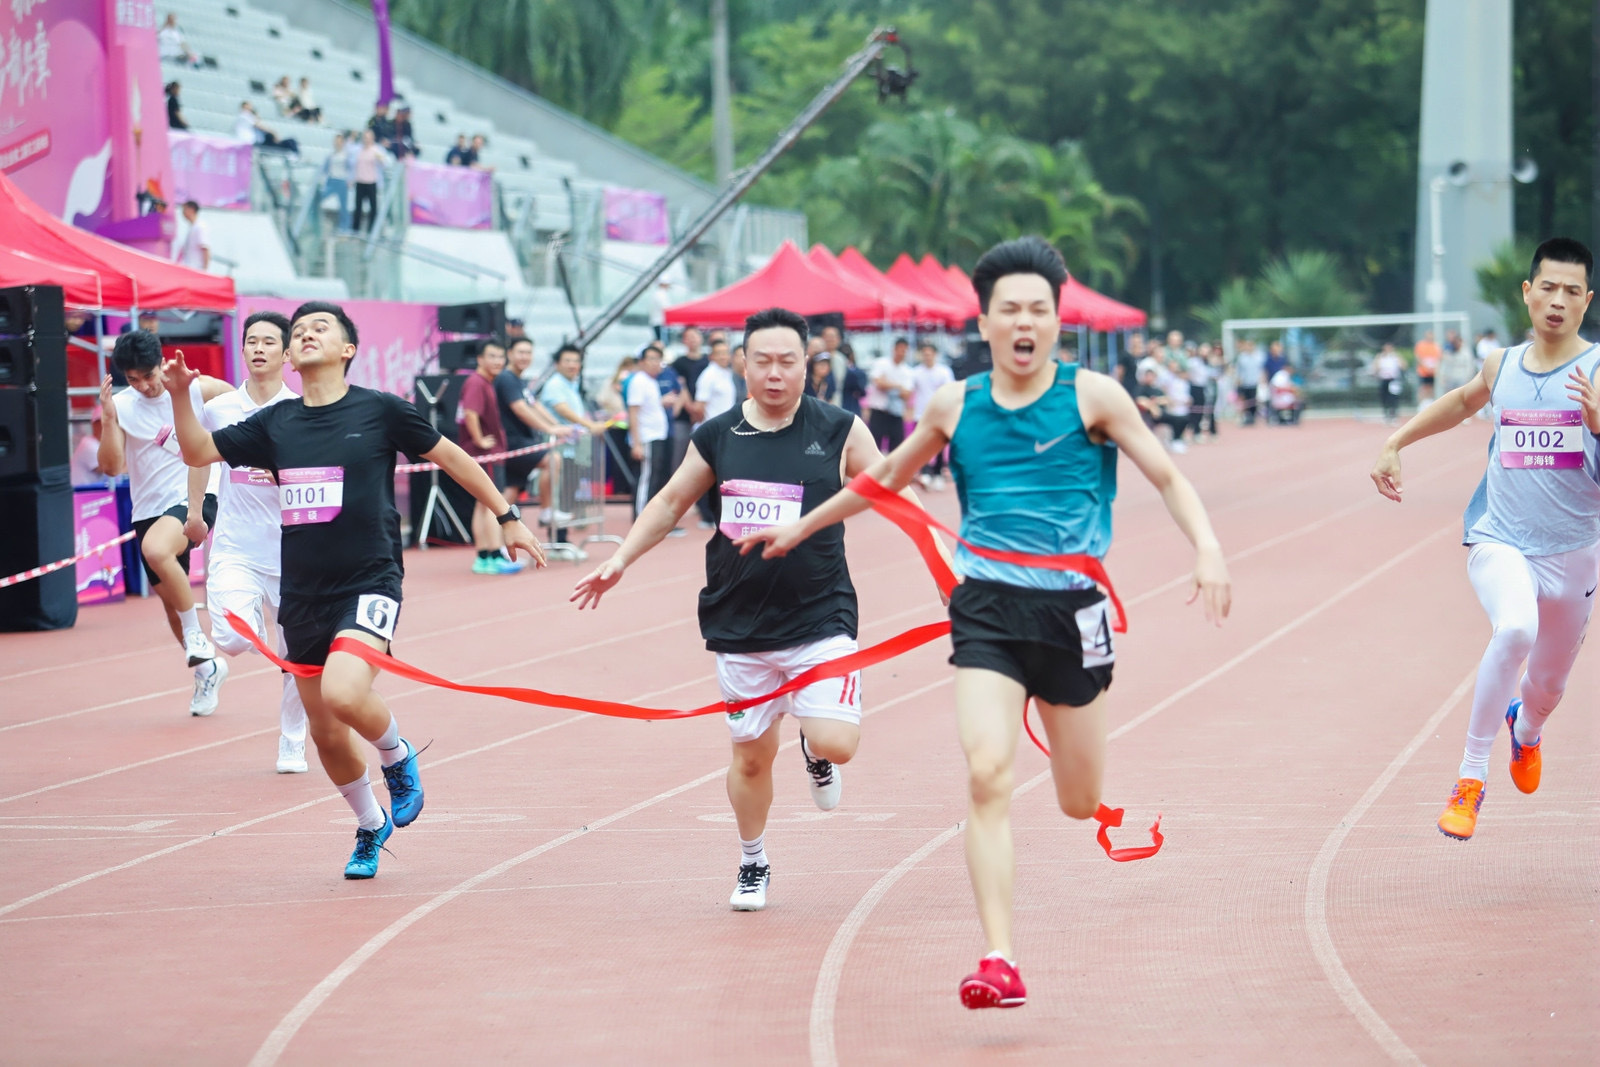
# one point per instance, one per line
(1034, 448)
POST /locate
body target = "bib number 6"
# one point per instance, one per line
(377, 615)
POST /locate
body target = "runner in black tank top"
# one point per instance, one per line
(767, 462)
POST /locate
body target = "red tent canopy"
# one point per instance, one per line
(787, 281)
(925, 308)
(905, 273)
(128, 278)
(1096, 310)
(938, 281)
(896, 306)
(80, 286)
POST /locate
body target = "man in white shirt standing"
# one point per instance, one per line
(173, 507)
(195, 251)
(926, 379)
(648, 429)
(714, 392)
(244, 570)
(886, 400)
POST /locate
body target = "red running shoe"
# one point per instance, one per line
(996, 984)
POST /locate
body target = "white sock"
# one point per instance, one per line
(391, 749)
(1475, 760)
(206, 669)
(358, 794)
(1000, 956)
(753, 853)
(1528, 727)
(189, 620)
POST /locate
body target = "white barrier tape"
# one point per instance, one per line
(39, 572)
(493, 457)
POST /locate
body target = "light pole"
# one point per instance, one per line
(1436, 287)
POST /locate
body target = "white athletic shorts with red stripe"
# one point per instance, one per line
(749, 674)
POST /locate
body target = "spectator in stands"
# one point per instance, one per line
(853, 386)
(886, 399)
(562, 394)
(336, 180)
(526, 421)
(460, 155)
(1128, 362)
(927, 377)
(1275, 360)
(479, 142)
(404, 142)
(821, 383)
(1248, 366)
(1389, 370)
(660, 300)
(1180, 400)
(1150, 397)
(172, 45)
(1197, 368)
(368, 171)
(1486, 346)
(648, 432)
(831, 340)
(248, 127)
(1427, 354)
(687, 368)
(1287, 399)
(284, 97)
(309, 111)
(174, 108)
(714, 393)
(381, 125)
(610, 401)
(515, 329)
(482, 434)
(741, 388)
(195, 250)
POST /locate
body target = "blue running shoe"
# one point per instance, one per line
(364, 860)
(405, 787)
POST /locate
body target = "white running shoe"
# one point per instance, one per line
(198, 647)
(750, 893)
(291, 756)
(553, 517)
(823, 777)
(206, 686)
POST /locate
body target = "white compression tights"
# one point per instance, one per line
(1539, 611)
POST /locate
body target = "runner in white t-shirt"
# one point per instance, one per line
(173, 504)
(244, 569)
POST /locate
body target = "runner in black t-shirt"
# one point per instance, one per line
(767, 462)
(332, 453)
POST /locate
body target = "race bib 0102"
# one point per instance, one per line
(310, 494)
(748, 506)
(1541, 440)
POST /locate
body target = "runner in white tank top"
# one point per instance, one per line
(1533, 525)
(245, 547)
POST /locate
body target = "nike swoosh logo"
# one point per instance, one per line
(1040, 449)
(1591, 592)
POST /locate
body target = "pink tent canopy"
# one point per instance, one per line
(128, 278)
(787, 281)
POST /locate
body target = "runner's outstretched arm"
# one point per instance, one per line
(692, 481)
(471, 476)
(1445, 413)
(1108, 409)
(894, 472)
(194, 440)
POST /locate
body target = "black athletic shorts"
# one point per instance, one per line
(208, 514)
(520, 468)
(1055, 643)
(309, 626)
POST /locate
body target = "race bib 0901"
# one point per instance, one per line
(310, 494)
(1541, 440)
(748, 506)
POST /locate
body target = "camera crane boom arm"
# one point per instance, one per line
(890, 82)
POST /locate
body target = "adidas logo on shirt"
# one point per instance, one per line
(815, 449)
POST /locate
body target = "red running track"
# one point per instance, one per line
(166, 898)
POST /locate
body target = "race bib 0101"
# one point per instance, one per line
(310, 494)
(1541, 440)
(748, 506)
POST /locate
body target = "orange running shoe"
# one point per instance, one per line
(1460, 816)
(1525, 761)
(995, 984)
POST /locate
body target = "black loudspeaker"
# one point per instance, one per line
(38, 529)
(459, 355)
(487, 319)
(33, 432)
(32, 307)
(34, 358)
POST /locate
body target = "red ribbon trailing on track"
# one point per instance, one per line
(918, 524)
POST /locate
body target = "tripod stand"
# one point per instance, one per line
(436, 497)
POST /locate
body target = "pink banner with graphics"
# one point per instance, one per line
(397, 341)
(450, 196)
(636, 215)
(100, 575)
(212, 171)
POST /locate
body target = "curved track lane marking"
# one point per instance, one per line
(824, 1051)
(1316, 913)
(278, 1040)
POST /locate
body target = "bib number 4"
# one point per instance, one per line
(1094, 628)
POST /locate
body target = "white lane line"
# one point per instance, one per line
(140, 763)
(824, 1052)
(1316, 915)
(278, 1040)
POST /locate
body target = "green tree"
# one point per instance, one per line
(1500, 284)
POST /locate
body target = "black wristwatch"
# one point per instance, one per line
(512, 515)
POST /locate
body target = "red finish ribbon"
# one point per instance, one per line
(1108, 817)
(919, 525)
